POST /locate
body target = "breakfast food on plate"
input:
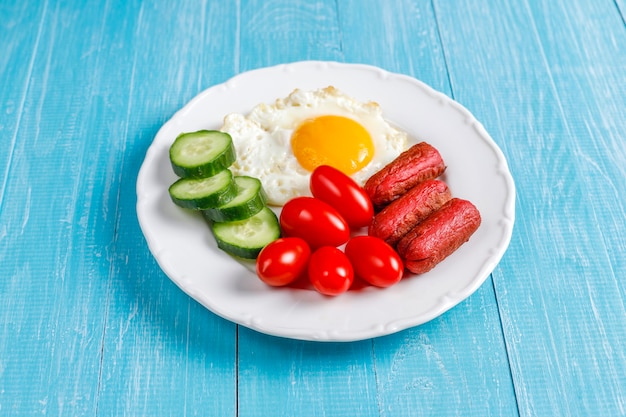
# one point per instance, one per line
(201, 154)
(315, 221)
(417, 214)
(419, 163)
(246, 238)
(204, 193)
(404, 213)
(374, 261)
(329, 161)
(437, 236)
(283, 261)
(344, 194)
(330, 271)
(249, 200)
(235, 205)
(282, 143)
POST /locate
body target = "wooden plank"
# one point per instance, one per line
(280, 376)
(281, 31)
(20, 31)
(449, 366)
(400, 36)
(286, 377)
(621, 5)
(89, 322)
(546, 78)
(163, 354)
(392, 378)
(292, 370)
(51, 313)
(439, 368)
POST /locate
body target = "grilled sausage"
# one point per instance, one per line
(437, 236)
(401, 215)
(419, 163)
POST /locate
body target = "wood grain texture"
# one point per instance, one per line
(89, 324)
(443, 368)
(400, 36)
(162, 353)
(547, 79)
(305, 378)
(439, 368)
(271, 367)
(279, 31)
(293, 377)
(621, 5)
(44, 339)
(93, 325)
(20, 27)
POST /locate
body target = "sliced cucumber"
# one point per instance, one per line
(204, 193)
(250, 199)
(202, 154)
(246, 238)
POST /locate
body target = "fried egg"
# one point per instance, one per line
(282, 143)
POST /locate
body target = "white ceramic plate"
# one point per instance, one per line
(186, 251)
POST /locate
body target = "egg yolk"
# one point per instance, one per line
(332, 140)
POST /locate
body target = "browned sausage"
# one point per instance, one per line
(401, 215)
(437, 236)
(419, 163)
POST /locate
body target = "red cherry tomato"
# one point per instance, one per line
(330, 271)
(282, 261)
(314, 221)
(374, 260)
(344, 194)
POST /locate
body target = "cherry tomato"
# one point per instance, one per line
(314, 221)
(330, 271)
(374, 260)
(282, 261)
(344, 194)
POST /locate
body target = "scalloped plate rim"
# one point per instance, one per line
(266, 320)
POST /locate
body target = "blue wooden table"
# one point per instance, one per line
(90, 325)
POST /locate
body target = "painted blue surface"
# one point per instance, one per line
(89, 324)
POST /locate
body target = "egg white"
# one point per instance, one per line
(262, 139)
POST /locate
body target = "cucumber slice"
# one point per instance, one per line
(204, 193)
(250, 199)
(202, 154)
(246, 238)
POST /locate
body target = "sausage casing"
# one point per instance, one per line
(401, 215)
(437, 236)
(419, 163)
